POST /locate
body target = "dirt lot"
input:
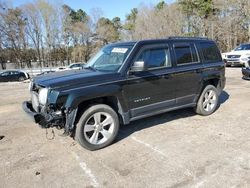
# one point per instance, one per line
(176, 149)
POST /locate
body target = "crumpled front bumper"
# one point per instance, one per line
(52, 119)
(36, 117)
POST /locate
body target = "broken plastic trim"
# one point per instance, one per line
(70, 118)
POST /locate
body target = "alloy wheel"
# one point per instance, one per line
(99, 128)
(209, 101)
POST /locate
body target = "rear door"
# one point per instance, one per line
(212, 62)
(188, 75)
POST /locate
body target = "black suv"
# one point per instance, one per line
(127, 81)
(13, 75)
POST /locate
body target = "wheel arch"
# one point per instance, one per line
(214, 81)
(112, 101)
(211, 81)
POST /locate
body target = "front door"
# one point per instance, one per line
(153, 89)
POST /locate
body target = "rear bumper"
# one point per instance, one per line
(37, 118)
(222, 84)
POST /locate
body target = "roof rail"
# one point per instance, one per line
(200, 38)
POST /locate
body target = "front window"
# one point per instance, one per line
(109, 58)
(155, 58)
(243, 47)
(14, 72)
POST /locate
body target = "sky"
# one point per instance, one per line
(110, 8)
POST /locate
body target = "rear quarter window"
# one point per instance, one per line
(210, 52)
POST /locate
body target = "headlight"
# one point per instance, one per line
(42, 97)
(244, 59)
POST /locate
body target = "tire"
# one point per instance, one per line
(93, 135)
(20, 79)
(208, 101)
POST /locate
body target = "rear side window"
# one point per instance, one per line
(5, 73)
(210, 52)
(155, 57)
(185, 53)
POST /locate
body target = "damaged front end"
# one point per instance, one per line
(45, 110)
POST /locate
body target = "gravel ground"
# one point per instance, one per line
(176, 149)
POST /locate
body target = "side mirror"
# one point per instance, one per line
(138, 66)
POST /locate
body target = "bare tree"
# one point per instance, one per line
(51, 24)
(34, 28)
(12, 27)
(158, 23)
(51, 33)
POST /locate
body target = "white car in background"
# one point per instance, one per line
(60, 69)
(238, 56)
(73, 66)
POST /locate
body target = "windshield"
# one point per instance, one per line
(243, 47)
(109, 58)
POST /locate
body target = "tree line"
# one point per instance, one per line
(54, 34)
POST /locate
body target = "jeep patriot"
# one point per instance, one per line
(128, 81)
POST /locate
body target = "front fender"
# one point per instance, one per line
(77, 96)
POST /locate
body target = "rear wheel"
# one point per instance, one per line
(97, 127)
(208, 101)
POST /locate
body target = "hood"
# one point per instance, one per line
(240, 52)
(74, 77)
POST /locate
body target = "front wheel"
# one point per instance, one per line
(97, 127)
(208, 101)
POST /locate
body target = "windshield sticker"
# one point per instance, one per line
(120, 50)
